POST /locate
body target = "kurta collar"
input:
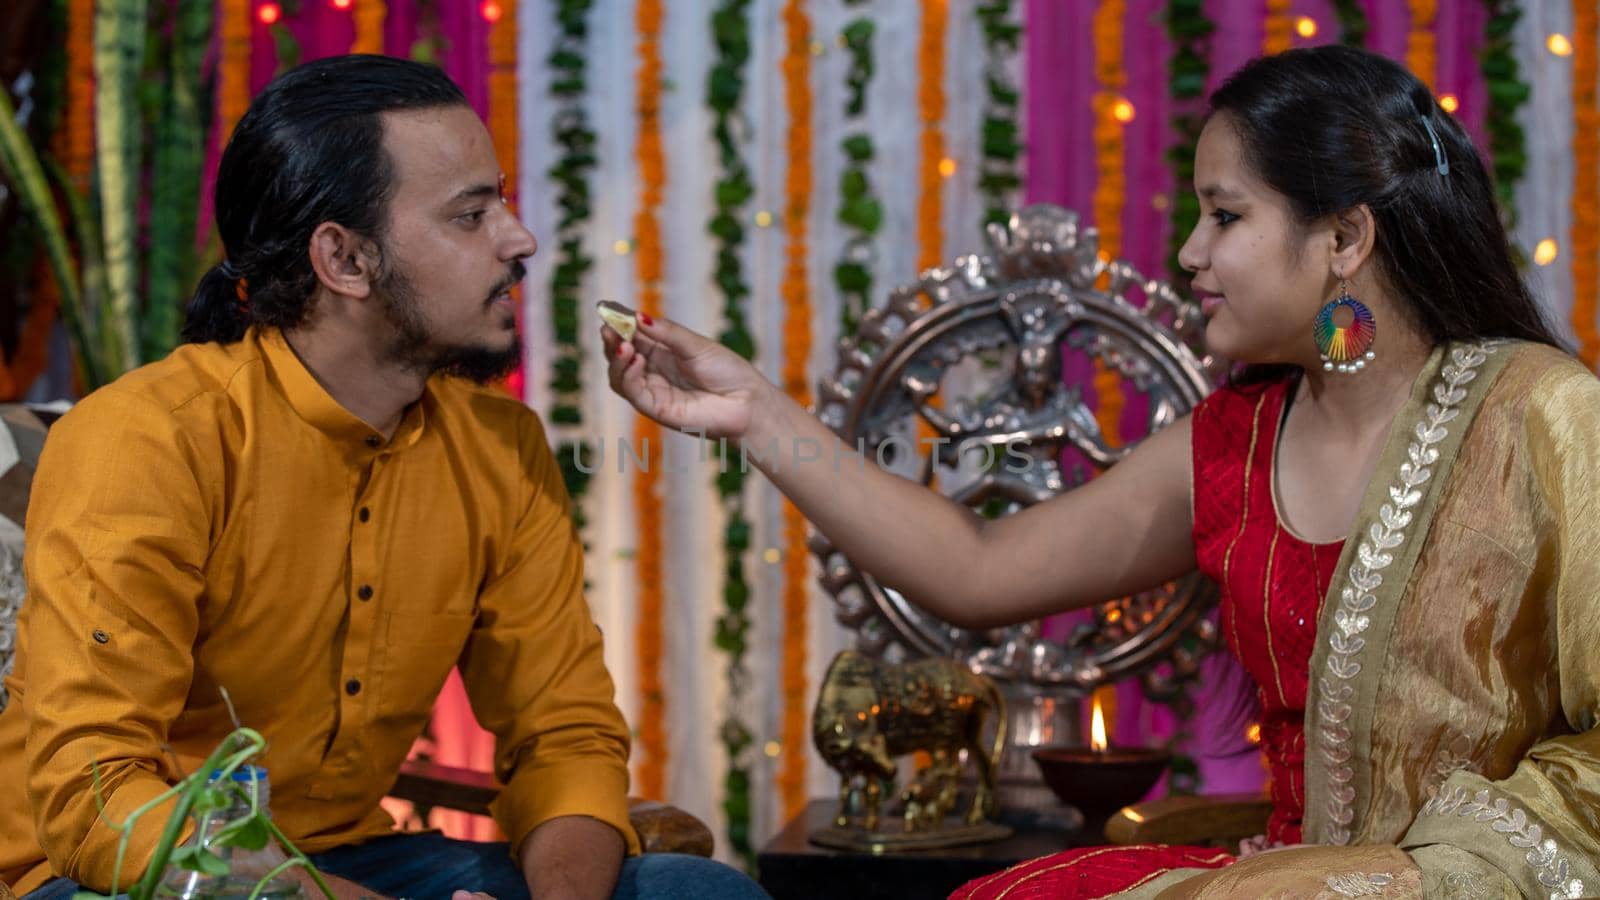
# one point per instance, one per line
(312, 402)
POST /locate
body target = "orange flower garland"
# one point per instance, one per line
(1421, 52)
(503, 128)
(1277, 33)
(646, 433)
(796, 292)
(1110, 190)
(1585, 236)
(233, 65)
(75, 141)
(33, 340)
(930, 105)
(930, 100)
(369, 20)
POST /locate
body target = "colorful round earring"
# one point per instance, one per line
(1347, 348)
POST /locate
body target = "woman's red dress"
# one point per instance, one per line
(1272, 587)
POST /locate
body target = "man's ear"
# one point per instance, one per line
(1354, 233)
(346, 263)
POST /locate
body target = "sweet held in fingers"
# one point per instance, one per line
(621, 319)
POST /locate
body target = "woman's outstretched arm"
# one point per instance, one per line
(1125, 531)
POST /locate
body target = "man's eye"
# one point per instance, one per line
(472, 218)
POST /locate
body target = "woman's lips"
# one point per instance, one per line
(1210, 303)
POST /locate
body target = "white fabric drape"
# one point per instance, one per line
(1543, 196)
(693, 670)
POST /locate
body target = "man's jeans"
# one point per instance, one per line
(431, 866)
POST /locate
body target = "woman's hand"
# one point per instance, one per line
(684, 380)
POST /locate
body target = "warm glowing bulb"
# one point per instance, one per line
(343, 4)
(621, 248)
(763, 219)
(1558, 44)
(772, 749)
(947, 167)
(269, 13)
(491, 11)
(1449, 103)
(1097, 728)
(1306, 27)
(1122, 111)
(1545, 252)
(772, 556)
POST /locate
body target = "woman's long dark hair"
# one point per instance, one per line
(1334, 127)
(309, 150)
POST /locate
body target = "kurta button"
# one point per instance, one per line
(373, 440)
(100, 637)
(365, 514)
(365, 592)
(352, 687)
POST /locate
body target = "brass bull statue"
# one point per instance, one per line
(869, 712)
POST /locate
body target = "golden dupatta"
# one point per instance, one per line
(1452, 747)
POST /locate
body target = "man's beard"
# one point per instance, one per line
(413, 347)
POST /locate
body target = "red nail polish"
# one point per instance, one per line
(645, 318)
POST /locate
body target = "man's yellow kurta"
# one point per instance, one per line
(216, 520)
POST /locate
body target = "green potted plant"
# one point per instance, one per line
(210, 789)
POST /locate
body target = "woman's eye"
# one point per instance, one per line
(1223, 217)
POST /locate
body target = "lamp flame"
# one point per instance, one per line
(1097, 727)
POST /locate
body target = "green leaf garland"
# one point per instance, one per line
(998, 175)
(1352, 22)
(1190, 33)
(859, 208)
(575, 141)
(730, 33)
(1507, 91)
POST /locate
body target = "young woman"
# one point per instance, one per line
(1399, 495)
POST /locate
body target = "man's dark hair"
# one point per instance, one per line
(1334, 127)
(309, 150)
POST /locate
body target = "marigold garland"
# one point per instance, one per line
(1277, 32)
(1585, 235)
(796, 292)
(1110, 184)
(33, 338)
(233, 65)
(647, 434)
(75, 140)
(369, 18)
(503, 128)
(1421, 43)
(931, 101)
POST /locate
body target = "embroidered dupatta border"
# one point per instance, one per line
(1359, 612)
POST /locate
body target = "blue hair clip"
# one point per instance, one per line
(1438, 152)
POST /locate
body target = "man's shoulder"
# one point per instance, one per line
(194, 378)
